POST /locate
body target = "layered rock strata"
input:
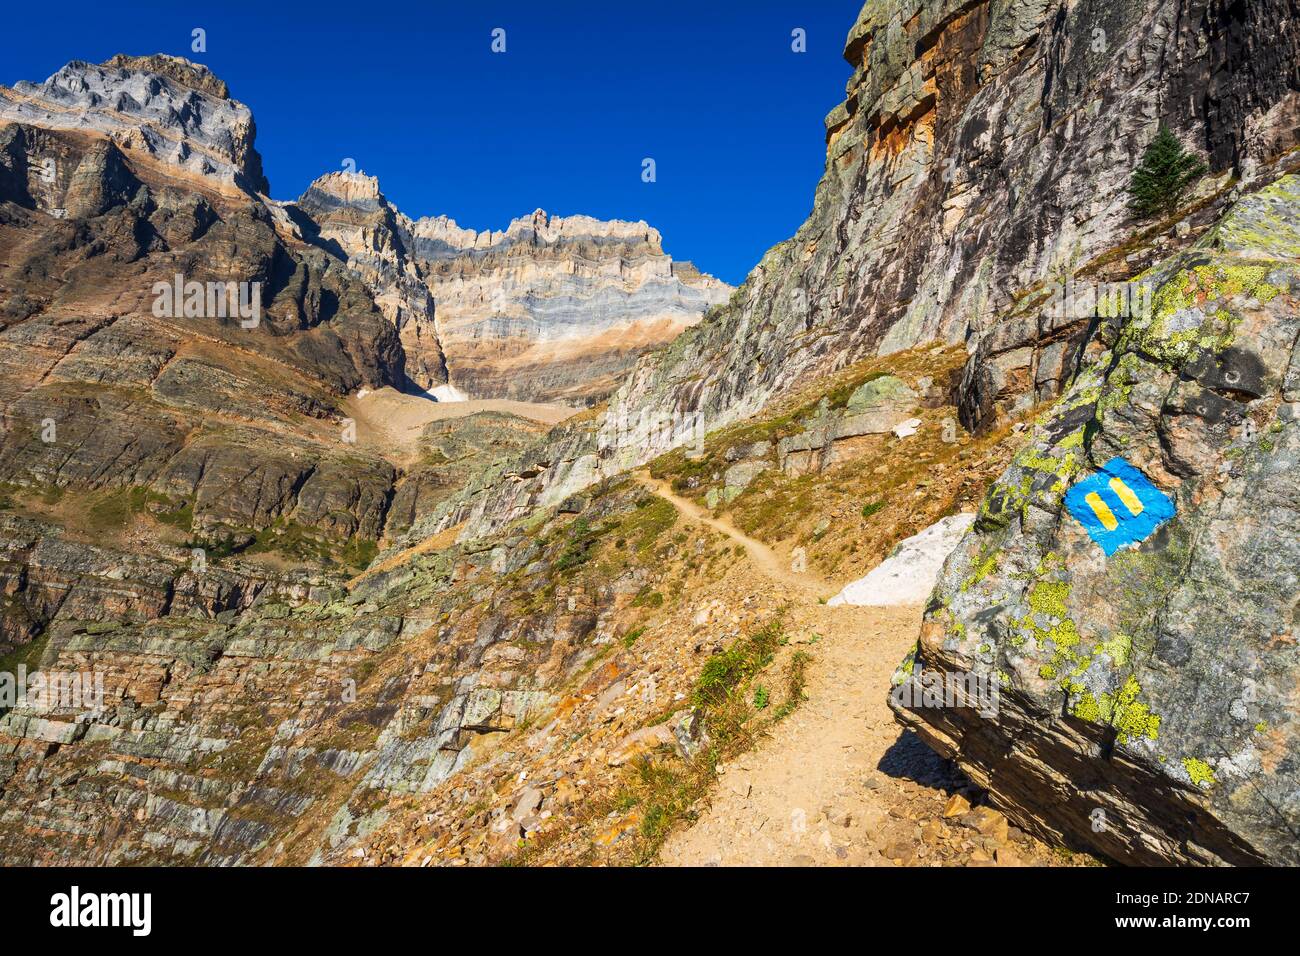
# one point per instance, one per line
(1147, 693)
(552, 309)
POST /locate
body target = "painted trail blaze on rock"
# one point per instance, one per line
(1118, 505)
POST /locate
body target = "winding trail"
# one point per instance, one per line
(767, 561)
(837, 782)
(775, 805)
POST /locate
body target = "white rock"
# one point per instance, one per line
(909, 574)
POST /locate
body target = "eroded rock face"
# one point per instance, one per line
(164, 108)
(1148, 702)
(350, 216)
(555, 308)
(48, 578)
(551, 309)
(275, 735)
(102, 392)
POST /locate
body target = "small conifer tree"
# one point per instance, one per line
(1164, 174)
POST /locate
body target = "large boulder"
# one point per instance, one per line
(1131, 583)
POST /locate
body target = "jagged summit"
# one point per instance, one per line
(161, 108)
(346, 187)
(443, 236)
(196, 76)
(552, 307)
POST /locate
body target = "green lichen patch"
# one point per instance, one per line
(1193, 311)
(905, 667)
(985, 564)
(1122, 710)
(1201, 773)
(1119, 649)
(1050, 625)
(1266, 224)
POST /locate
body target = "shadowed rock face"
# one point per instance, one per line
(349, 216)
(551, 309)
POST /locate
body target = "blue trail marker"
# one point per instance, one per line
(1118, 505)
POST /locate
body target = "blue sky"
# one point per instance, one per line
(562, 120)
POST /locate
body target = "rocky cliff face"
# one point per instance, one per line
(551, 309)
(170, 114)
(349, 215)
(1148, 693)
(555, 308)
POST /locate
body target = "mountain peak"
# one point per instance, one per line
(346, 187)
(159, 108)
(187, 73)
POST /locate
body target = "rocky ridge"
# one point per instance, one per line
(550, 309)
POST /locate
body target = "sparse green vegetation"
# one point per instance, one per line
(723, 673)
(796, 678)
(733, 710)
(27, 655)
(871, 507)
(578, 551)
(295, 541)
(111, 511)
(648, 598)
(652, 517)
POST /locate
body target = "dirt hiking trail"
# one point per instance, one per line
(767, 561)
(838, 782)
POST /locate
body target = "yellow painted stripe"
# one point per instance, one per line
(1125, 494)
(1103, 512)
